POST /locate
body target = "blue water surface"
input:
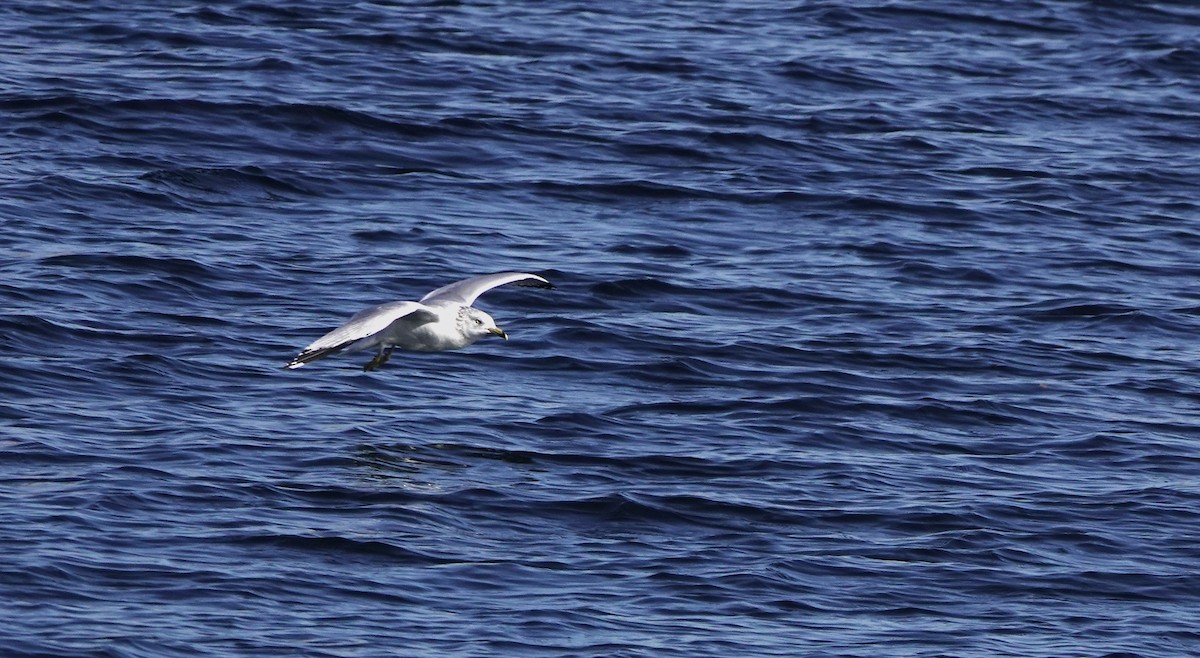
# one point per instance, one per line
(874, 331)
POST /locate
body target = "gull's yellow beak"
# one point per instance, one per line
(499, 332)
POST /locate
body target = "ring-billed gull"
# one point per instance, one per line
(442, 320)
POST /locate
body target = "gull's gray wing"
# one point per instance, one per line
(363, 330)
(465, 292)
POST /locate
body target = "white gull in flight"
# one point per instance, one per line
(442, 320)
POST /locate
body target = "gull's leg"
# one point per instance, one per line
(385, 352)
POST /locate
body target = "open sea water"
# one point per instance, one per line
(874, 331)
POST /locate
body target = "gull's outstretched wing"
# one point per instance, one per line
(465, 292)
(363, 330)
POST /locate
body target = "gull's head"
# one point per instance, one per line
(480, 324)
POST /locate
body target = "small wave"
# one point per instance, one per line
(1104, 315)
(657, 251)
(335, 546)
(631, 288)
(671, 509)
(229, 182)
(845, 75)
(123, 263)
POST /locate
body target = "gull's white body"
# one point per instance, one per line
(442, 320)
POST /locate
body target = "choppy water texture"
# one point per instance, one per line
(875, 329)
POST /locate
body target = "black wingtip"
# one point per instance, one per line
(534, 283)
(295, 363)
(310, 356)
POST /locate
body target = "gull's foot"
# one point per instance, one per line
(378, 361)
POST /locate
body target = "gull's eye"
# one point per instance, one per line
(478, 321)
